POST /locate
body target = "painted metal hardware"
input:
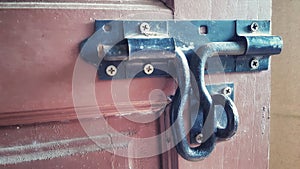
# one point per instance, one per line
(185, 49)
(205, 120)
(124, 45)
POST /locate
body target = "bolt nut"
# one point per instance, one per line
(254, 64)
(111, 70)
(254, 27)
(199, 138)
(144, 27)
(148, 69)
(227, 91)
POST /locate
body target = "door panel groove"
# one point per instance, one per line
(111, 5)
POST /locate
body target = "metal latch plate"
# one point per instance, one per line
(125, 47)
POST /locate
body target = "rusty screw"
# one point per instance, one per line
(144, 27)
(111, 70)
(148, 69)
(254, 27)
(227, 91)
(199, 138)
(254, 64)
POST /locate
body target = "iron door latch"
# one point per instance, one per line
(185, 50)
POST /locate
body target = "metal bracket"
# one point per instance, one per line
(133, 49)
(124, 46)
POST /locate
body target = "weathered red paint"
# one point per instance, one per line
(39, 48)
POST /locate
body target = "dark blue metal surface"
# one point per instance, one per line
(220, 114)
(203, 104)
(243, 27)
(243, 63)
(231, 114)
(123, 38)
(258, 45)
(200, 47)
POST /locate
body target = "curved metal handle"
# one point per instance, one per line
(122, 33)
(206, 106)
(176, 116)
(231, 114)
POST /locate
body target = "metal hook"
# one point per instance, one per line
(206, 107)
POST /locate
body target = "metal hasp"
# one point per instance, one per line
(186, 51)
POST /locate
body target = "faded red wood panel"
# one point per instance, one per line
(221, 9)
(66, 145)
(39, 53)
(39, 48)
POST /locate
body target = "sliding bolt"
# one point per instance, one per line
(111, 70)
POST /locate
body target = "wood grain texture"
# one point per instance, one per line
(142, 5)
(39, 48)
(285, 105)
(67, 145)
(38, 60)
(221, 9)
(38, 56)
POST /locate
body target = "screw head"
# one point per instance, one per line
(199, 138)
(227, 91)
(148, 69)
(254, 64)
(203, 30)
(254, 27)
(144, 27)
(111, 70)
(106, 28)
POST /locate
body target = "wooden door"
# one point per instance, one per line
(39, 125)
